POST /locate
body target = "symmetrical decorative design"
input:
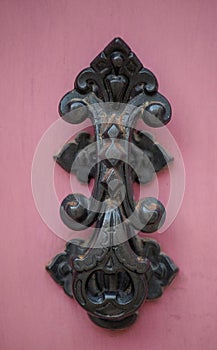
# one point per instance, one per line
(115, 271)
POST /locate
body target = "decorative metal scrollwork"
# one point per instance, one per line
(112, 273)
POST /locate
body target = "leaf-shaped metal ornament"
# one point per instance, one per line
(115, 271)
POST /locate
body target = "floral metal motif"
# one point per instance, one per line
(112, 273)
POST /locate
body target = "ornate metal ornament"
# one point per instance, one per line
(112, 273)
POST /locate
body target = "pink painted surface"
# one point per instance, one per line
(44, 44)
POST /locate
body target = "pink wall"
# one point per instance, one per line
(44, 45)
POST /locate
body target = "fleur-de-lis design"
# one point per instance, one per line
(115, 271)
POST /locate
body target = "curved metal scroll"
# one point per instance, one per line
(112, 273)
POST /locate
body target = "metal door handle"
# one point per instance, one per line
(112, 273)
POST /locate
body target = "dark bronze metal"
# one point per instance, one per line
(112, 273)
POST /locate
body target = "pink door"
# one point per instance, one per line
(44, 45)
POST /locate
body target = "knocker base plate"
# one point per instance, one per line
(115, 271)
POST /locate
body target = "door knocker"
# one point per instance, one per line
(115, 271)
